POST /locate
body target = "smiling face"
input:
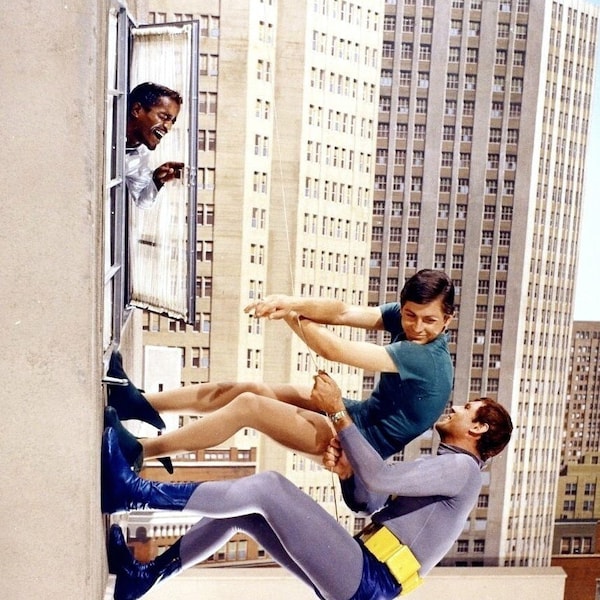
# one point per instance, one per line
(149, 126)
(422, 323)
(456, 426)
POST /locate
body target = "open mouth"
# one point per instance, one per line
(158, 133)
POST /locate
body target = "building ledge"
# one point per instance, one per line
(458, 583)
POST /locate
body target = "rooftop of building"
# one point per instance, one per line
(491, 583)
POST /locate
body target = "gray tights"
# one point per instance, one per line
(299, 534)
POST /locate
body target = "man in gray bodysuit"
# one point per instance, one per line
(421, 508)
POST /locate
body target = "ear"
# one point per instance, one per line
(478, 429)
(136, 108)
(447, 319)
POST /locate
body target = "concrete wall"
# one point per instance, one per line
(51, 529)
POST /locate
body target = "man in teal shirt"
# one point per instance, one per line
(416, 377)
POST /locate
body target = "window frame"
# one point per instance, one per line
(117, 280)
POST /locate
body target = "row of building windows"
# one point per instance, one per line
(337, 156)
(337, 192)
(456, 27)
(445, 185)
(443, 212)
(457, 262)
(333, 262)
(576, 545)
(339, 121)
(347, 12)
(395, 234)
(352, 296)
(589, 488)
(453, 82)
(462, 546)
(587, 335)
(341, 85)
(336, 228)
(420, 107)
(155, 323)
(496, 135)
(505, 6)
(569, 506)
(347, 50)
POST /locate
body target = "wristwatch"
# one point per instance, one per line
(337, 416)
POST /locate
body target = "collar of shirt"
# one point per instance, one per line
(449, 449)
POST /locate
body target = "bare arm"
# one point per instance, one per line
(326, 343)
(320, 310)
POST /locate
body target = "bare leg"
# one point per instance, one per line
(206, 397)
(296, 428)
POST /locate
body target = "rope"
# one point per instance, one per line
(311, 354)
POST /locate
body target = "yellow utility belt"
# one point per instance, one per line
(388, 549)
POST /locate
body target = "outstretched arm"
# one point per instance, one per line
(329, 345)
(320, 310)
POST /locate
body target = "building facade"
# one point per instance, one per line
(482, 132)
(287, 132)
(376, 139)
(576, 550)
(582, 411)
(578, 490)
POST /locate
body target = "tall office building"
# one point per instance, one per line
(581, 435)
(482, 135)
(287, 132)
(479, 170)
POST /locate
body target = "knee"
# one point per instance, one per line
(255, 387)
(247, 402)
(252, 397)
(268, 482)
(260, 487)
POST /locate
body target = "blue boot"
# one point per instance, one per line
(130, 446)
(127, 400)
(123, 490)
(134, 578)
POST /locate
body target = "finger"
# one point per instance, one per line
(329, 462)
(252, 307)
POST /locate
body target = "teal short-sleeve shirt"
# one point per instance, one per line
(405, 404)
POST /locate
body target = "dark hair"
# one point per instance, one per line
(147, 94)
(497, 418)
(426, 286)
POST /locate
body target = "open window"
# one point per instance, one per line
(150, 258)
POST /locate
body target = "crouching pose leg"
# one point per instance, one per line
(295, 530)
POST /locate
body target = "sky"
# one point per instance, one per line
(587, 287)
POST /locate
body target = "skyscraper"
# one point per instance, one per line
(484, 117)
(475, 165)
(287, 132)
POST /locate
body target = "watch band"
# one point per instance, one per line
(337, 416)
